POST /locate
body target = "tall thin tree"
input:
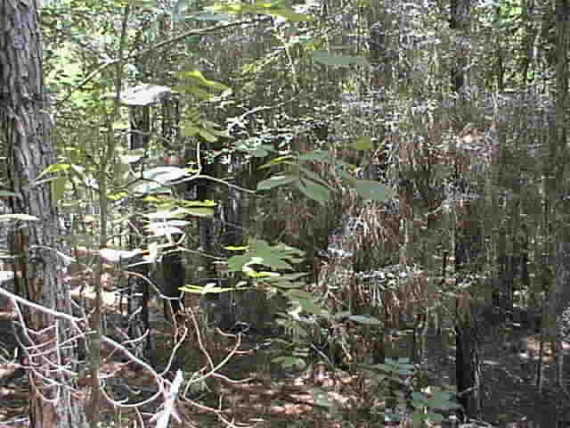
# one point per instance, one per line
(48, 351)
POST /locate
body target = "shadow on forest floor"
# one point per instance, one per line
(509, 360)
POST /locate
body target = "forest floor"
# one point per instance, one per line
(509, 363)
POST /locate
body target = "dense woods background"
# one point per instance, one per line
(284, 213)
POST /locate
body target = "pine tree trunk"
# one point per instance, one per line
(468, 370)
(25, 130)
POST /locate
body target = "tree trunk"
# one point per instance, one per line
(459, 21)
(25, 129)
(468, 370)
(559, 299)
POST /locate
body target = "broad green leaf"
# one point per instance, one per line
(164, 229)
(205, 204)
(317, 155)
(58, 188)
(261, 253)
(132, 156)
(368, 189)
(262, 274)
(261, 150)
(321, 397)
(117, 196)
(279, 283)
(268, 255)
(278, 160)
(18, 217)
(263, 8)
(311, 175)
(165, 174)
(236, 263)
(236, 248)
(112, 255)
(165, 214)
(290, 15)
(6, 193)
(200, 212)
(325, 58)
(300, 294)
(309, 306)
(57, 167)
(286, 249)
(362, 319)
(342, 315)
(289, 362)
(314, 191)
(275, 181)
(363, 143)
(207, 135)
(207, 289)
(294, 276)
(210, 16)
(199, 77)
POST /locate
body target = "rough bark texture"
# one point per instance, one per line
(459, 21)
(24, 130)
(468, 371)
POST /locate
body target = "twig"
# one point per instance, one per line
(169, 409)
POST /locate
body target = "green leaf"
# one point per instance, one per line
(339, 316)
(287, 280)
(325, 58)
(294, 276)
(6, 193)
(321, 397)
(17, 217)
(116, 196)
(260, 151)
(300, 294)
(236, 263)
(207, 135)
(311, 175)
(290, 15)
(58, 188)
(197, 76)
(287, 285)
(289, 362)
(210, 16)
(309, 306)
(261, 253)
(165, 174)
(206, 203)
(264, 8)
(278, 160)
(236, 248)
(275, 181)
(435, 417)
(200, 212)
(201, 289)
(368, 189)
(367, 320)
(274, 257)
(314, 191)
(363, 143)
(57, 167)
(317, 155)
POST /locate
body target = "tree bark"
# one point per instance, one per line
(459, 21)
(37, 262)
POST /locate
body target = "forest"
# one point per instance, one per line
(284, 213)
